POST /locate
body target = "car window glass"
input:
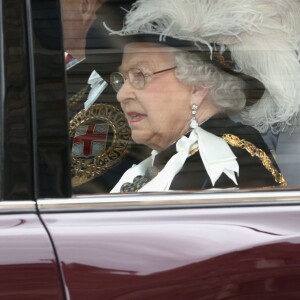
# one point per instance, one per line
(180, 131)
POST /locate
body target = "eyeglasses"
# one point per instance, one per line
(135, 76)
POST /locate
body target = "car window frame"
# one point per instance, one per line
(51, 142)
(2, 93)
(16, 139)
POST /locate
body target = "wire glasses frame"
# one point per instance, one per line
(135, 76)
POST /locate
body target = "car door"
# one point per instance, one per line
(179, 246)
(214, 244)
(28, 264)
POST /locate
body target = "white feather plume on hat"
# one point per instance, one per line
(263, 37)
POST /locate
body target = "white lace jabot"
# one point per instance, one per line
(216, 155)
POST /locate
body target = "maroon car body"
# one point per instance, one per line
(28, 266)
(180, 253)
(55, 244)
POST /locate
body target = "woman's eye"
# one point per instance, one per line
(138, 74)
(144, 70)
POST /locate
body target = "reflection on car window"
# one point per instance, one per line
(161, 102)
(102, 148)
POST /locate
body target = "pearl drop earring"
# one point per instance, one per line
(193, 121)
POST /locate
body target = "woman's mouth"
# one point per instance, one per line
(135, 117)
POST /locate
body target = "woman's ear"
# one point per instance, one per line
(198, 94)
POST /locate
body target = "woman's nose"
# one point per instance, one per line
(125, 92)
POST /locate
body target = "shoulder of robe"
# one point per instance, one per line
(235, 141)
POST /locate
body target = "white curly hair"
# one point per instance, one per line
(263, 37)
(227, 91)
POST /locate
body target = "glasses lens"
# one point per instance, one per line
(136, 78)
(116, 80)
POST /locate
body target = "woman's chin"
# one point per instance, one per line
(142, 138)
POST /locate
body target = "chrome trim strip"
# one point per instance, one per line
(168, 200)
(16, 207)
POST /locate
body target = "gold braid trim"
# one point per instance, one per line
(78, 97)
(234, 141)
(193, 151)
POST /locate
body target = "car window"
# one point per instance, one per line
(143, 118)
(101, 144)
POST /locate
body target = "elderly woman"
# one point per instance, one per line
(176, 99)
